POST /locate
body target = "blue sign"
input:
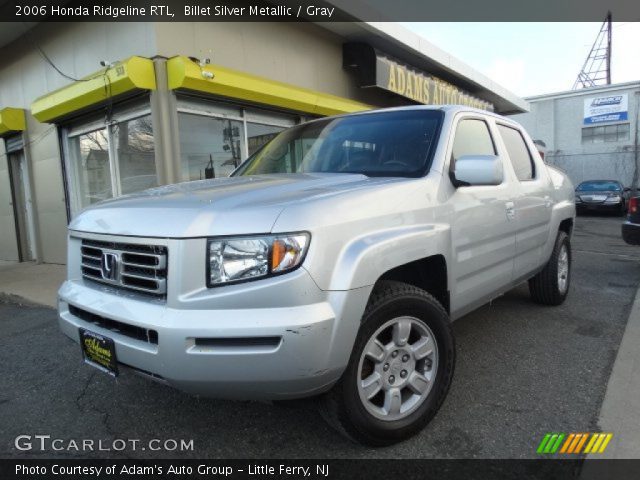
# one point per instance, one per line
(608, 109)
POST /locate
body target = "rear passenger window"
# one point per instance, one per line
(518, 152)
(472, 138)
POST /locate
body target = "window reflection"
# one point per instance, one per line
(210, 147)
(258, 135)
(135, 153)
(90, 162)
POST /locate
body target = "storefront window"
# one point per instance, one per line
(109, 161)
(135, 153)
(90, 163)
(216, 137)
(210, 147)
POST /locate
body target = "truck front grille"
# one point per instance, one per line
(142, 268)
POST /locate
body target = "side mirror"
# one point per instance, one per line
(479, 170)
(627, 189)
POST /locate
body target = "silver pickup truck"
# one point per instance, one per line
(330, 264)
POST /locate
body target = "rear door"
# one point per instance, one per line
(482, 229)
(533, 202)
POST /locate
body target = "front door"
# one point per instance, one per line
(483, 230)
(22, 205)
(8, 238)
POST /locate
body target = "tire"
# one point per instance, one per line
(547, 287)
(346, 407)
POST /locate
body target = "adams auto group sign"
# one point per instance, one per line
(613, 108)
(376, 69)
(422, 88)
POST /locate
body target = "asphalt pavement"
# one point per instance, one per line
(522, 370)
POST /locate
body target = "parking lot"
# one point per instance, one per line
(522, 370)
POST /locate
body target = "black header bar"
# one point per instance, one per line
(316, 10)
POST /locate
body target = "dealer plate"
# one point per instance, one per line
(99, 351)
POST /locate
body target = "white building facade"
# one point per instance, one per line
(590, 133)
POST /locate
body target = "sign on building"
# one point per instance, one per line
(612, 108)
(377, 69)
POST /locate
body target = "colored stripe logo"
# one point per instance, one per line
(574, 443)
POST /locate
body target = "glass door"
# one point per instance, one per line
(22, 205)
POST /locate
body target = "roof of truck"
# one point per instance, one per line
(444, 108)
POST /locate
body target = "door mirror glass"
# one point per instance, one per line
(478, 170)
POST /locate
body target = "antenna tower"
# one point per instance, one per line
(597, 67)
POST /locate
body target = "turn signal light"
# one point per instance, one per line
(633, 205)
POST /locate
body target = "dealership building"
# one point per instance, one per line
(591, 133)
(90, 111)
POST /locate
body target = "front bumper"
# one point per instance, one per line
(308, 348)
(631, 233)
(582, 207)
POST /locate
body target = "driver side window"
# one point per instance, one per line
(472, 138)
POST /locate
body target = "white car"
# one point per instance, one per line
(331, 263)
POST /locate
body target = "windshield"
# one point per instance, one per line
(603, 186)
(390, 144)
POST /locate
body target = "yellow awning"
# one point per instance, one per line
(135, 73)
(12, 120)
(184, 73)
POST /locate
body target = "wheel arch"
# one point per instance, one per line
(389, 253)
(428, 274)
(566, 226)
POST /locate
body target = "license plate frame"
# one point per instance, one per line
(99, 351)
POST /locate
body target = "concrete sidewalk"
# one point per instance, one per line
(620, 411)
(33, 282)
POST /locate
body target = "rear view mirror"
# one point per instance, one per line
(479, 170)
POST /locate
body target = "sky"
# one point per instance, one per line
(534, 58)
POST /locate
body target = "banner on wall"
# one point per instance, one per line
(612, 108)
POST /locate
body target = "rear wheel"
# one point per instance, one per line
(399, 371)
(551, 285)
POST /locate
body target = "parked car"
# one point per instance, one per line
(601, 196)
(330, 263)
(631, 226)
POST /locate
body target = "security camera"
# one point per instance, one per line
(106, 63)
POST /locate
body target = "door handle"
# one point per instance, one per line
(511, 210)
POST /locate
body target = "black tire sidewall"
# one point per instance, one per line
(384, 432)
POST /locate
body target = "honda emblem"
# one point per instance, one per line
(109, 265)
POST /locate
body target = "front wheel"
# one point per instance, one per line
(551, 285)
(399, 371)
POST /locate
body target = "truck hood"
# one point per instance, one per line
(225, 206)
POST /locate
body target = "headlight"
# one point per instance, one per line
(238, 259)
(578, 199)
(613, 199)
